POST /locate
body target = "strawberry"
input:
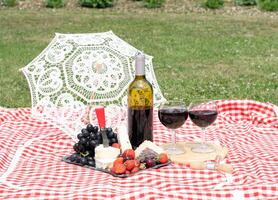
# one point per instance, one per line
(119, 160)
(129, 153)
(130, 164)
(119, 169)
(163, 158)
(116, 145)
(127, 172)
(127, 158)
(135, 169)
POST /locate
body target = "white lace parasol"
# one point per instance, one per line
(80, 70)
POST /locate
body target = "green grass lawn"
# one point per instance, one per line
(195, 55)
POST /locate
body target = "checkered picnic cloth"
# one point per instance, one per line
(31, 166)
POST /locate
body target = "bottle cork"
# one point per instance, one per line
(140, 64)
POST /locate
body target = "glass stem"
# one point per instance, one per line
(173, 138)
(203, 142)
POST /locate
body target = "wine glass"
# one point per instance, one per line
(203, 113)
(172, 115)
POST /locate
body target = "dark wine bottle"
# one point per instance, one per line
(140, 106)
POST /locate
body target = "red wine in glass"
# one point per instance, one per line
(172, 115)
(203, 118)
(203, 114)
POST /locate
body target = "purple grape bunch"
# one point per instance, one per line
(88, 139)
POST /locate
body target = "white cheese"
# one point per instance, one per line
(103, 163)
(123, 138)
(106, 152)
(150, 145)
(104, 156)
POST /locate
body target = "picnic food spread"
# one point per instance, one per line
(116, 158)
(100, 148)
(132, 149)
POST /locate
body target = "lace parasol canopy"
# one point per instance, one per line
(78, 71)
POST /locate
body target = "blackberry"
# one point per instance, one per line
(110, 134)
(93, 136)
(78, 159)
(115, 135)
(109, 130)
(73, 157)
(92, 163)
(87, 145)
(95, 129)
(76, 148)
(113, 140)
(90, 128)
(83, 140)
(93, 144)
(90, 158)
(83, 161)
(81, 147)
(80, 135)
(92, 153)
(85, 132)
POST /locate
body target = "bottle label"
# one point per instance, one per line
(140, 98)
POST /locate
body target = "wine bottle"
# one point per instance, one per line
(140, 105)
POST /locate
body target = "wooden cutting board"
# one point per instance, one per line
(190, 156)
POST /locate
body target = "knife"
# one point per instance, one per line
(101, 122)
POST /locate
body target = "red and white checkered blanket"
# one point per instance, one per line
(31, 167)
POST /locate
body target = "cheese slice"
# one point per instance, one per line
(106, 152)
(103, 163)
(104, 156)
(150, 145)
(123, 138)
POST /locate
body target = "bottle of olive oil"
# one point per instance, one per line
(140, 105)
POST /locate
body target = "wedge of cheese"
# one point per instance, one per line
(123, 138)
(103, 163)
(106, 152)
(104, 156)
(150, 145)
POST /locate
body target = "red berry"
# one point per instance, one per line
(135, 169)
(119, 160)
(119, 169)
(150, 163)
(127, 172)
(163, 158)
(129, 153)
(130, 164)
(116, 145)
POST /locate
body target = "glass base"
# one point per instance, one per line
(174, 150)
(203, 148)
